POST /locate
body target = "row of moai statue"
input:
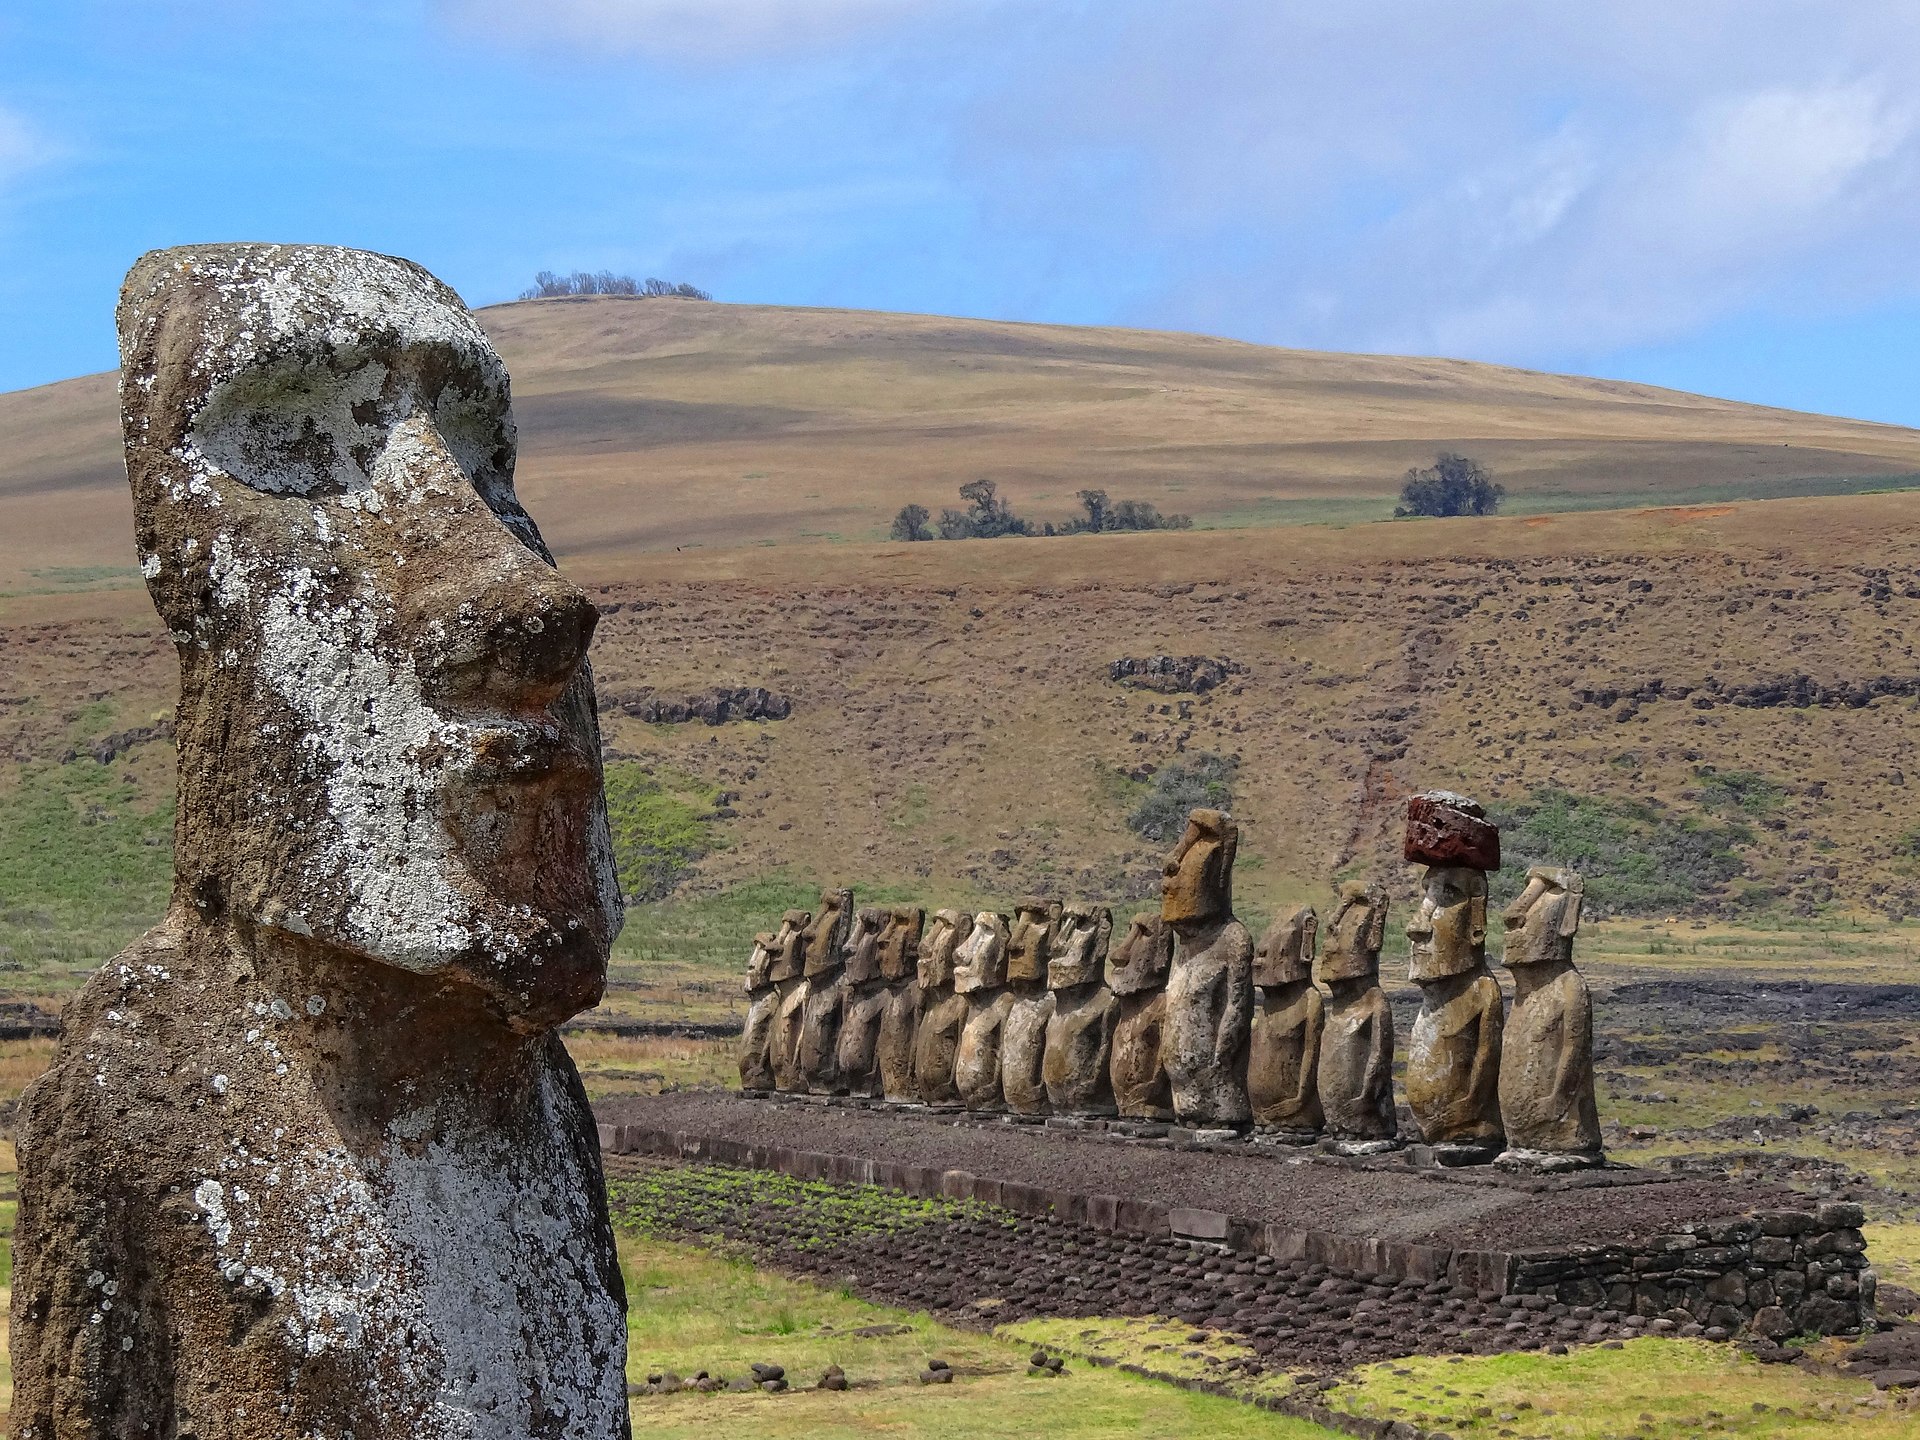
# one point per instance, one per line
(1183, 1019)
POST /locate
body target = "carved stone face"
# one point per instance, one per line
(1027, 943)
(1543, 919)
(1286, 955)
(1351, 949)
(944, 936)
(1448, 934)
(760, 963)
(900, 942)
(386, 731)
(1140, 962)
(861, 954)
(790, 946)
(1079, 952)
(980, 962)
(826, 941)
(1197, 880)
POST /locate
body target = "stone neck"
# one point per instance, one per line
(1351, 987)
(1442, 988)
(1531, 977)
(1200, 934)
(1286, 991)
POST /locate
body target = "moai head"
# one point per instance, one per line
(944, 936)
(1197, 884)
(1448, 934)
(1286, 954)
(1079, 952)
(760, 963)
(790, 946)
(1029, 940)
(826, 941)
(1542, 920)
(861, 954)
(1140, 962)
(387, 739)
(900, 942)
(980, 962)
(1351, 950)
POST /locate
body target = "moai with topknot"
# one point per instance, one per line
(826, 953)
(899, 959)
(1546, 1062)
(980, 974)
(863, 1000)
(1079, 1049)
(943, 1011)
(1453, 1055)
(1210, 987)
(1137, 972)
(1283, 1056)
(1023, 1040)
(1355, 1078)
(763, 999)
(790, 999)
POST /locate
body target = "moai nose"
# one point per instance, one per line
(512, 642)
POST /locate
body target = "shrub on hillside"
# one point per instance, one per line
(987, 516)
(657, 833)
(1104, 515)
(1202, 782)
(1636, 857)
(911, 524)
(546, 285)
(1452, 485)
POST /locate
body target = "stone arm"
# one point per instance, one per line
(1380, 1049)
(1236, 1009)
(1576, 1040)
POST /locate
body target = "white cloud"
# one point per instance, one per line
(22, 146)
(707, 30)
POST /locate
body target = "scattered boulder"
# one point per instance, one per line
(1175, 675)
(717, 706)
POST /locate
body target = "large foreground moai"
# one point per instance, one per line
(899, 960)
(790, 997)
(825, 957)
(943, 1011)
(863, 1003)
(1023, 1043)
(311, 1159)
(980, 975)
(1210, 987)
(1283, 1055)
(1356, 1038)
(1137, 975)
(1453, 1056)
(1079, 1053)
(1546, 1063)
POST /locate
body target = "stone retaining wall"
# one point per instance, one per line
(1777, 1273)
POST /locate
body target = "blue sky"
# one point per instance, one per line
(1719, 195)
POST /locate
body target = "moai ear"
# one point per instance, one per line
(1477, 910)
(1309, 935)
(1376, 903)
(1570, 912)
(1102, 930)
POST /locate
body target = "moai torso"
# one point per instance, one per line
(943, 1013)
(277, 1178)
(1283, 1056)
(1137, 976)
(1079, 1050)
(1023, 1042)
(980, 978)
(863, 1001)
(789, 1003)
(763, 1000)
(825, 991)
(1210, 987)
(1546, 1063)
(899, 959)
(1355, 1077)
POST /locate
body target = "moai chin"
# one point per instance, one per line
(1079, 1044)
(290, 1130)
(1137, 975)
(863, 1002)
(1453, 1055)
(1210, 987)
(980, 975)
(1023, 1039)
(1283, 1055)
(825, 954)
(1355, 1077)
(943, 1013)
(763, 999)
(790, 990)
(1546, 1062)
(899, 959)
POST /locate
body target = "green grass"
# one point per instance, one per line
(661, 824)
(1637, 857)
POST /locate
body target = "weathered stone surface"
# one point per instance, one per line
(899, 957)
(763, 1000)
(1546, 1065)
(270, 1185)
(1210, 984)
(1283, 1052)
(1453, 1055)
(1355, 1078)
(1023, 1041)
(1448, 829)
(825, 991)
(1076, 1067)
(943, 1014)
(979, 976)
(1137, 976)
(863, 1003)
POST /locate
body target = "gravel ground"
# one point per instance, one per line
(1463, 1212)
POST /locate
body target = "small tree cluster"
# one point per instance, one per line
(1104, 516)
(1204, 780)
(547, 284)
(1452, 485)
(988, 517)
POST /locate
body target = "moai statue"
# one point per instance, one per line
(826, 954)
(980, 974)
(1355, 1078)
(310, 1158)
(1023, 1039)
(756, 1064)
(1546, 1064)
(1210, 988)
(1079, 1053)
(1283, 1057)
(899, 957)
(863, 1001)
(943, 1013)
(1453, 1057)
(789, 1010)
(1137, 976)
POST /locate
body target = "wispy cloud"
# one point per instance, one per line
(704, 30)
(22, 146)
